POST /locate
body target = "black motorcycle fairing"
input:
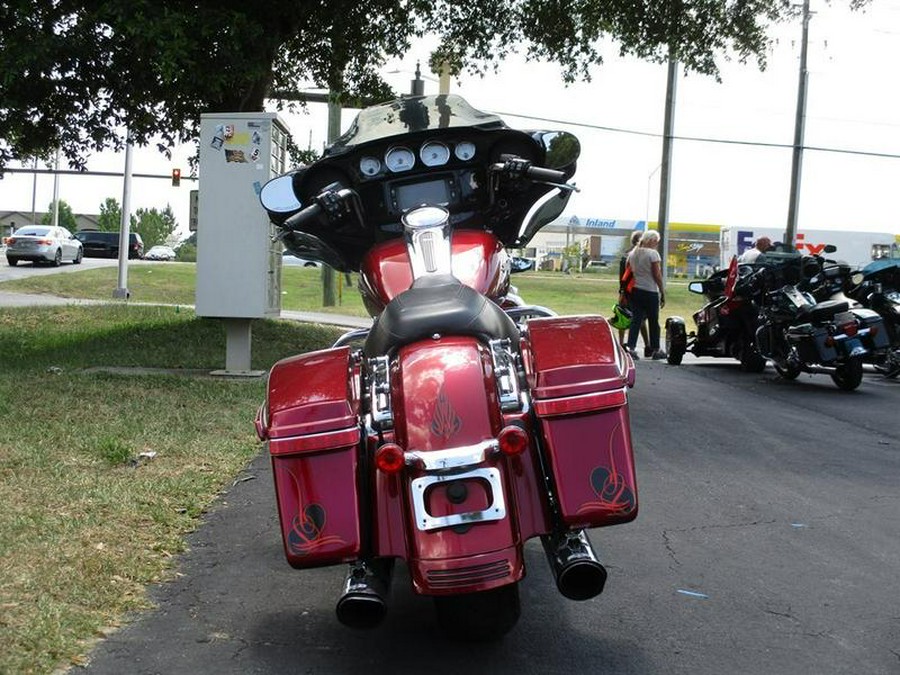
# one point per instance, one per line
(438, 304)
(471, 143)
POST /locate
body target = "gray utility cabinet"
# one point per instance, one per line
(238, 264)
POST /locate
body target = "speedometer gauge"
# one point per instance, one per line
(369, 166)
(399, 159)
(434, 154)
(465, 150)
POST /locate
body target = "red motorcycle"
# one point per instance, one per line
(464, 423)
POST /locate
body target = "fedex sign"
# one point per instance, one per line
(746, 240)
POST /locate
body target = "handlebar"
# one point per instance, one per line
(310, 214)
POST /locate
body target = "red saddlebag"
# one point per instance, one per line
(310, 422)
(578, 376)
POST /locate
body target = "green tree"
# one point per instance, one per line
(66, 217)
(73, 74)
(110, 219)
(153, 225)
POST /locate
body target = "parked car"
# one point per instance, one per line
(43, 243)
(160, 253)
(289, 258)
(106, 244)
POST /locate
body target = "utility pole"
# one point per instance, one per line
(55, 218)
(666, 165)
(799, 132)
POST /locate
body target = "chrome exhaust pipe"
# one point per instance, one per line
(578, 572)
(363, 601)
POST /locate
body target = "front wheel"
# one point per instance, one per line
(848, 376)
(79, 256)
(479, 617)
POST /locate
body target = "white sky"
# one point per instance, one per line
(853, 104)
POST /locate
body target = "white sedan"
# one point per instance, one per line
(43, 243)
(160, 253)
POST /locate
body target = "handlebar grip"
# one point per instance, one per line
(310, 213)
(549, 175)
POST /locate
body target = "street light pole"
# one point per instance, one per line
(665, 176)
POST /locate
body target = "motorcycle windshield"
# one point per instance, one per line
(412, 114)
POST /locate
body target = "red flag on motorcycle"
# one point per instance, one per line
(731, 280)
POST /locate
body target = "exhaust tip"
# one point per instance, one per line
(581, 580)
(361, 611)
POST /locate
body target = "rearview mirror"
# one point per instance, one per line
(830, 248)
(517, 264)
(696, 287)
(278, 195)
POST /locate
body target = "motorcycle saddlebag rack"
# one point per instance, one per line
(578, 375)
(311, 425)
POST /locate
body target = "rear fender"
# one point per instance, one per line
(460, 523)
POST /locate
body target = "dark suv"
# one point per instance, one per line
(106, 244)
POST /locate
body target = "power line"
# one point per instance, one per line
(701, 139)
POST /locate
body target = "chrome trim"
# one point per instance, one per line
(380, 392)
(426, 522)
(427, 232)
(452, 458)
(505, 374)
(350, 336)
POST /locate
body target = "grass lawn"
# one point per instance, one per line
(87, 522)
(302, 289)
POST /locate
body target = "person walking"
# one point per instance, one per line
(648, 295)
(624, 295)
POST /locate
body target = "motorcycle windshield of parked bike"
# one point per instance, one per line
(410, 115)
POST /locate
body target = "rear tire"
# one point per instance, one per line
(788, 371)
(676, 345)
(12, 261)
(57, 259)
(751, 360)
(479, 617)
(78, 257)
(848, 376)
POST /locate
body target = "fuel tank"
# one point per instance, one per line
(479, 261)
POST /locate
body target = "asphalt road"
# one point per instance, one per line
(26, 269)
(768, 542)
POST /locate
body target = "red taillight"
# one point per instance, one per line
(513, 440)
(850, 328)
(389, 458)
(44, 242)
(9, 241)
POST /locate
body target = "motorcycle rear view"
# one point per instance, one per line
(464, 423)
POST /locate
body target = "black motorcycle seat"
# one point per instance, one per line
(437, 304)
(826, 310)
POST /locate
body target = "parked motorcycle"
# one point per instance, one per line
(801, 335)
(726, 324)
(464, 423)
(877, 287)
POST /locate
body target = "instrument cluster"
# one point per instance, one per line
(398, 159)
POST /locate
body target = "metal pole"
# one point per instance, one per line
(125, 227)
(334, 130)
(799, 132)
(55, 219)
(666, 170)
(34, 195)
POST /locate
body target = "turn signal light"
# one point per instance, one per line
(512, 440)
(389, 458)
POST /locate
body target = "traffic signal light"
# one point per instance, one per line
(176, 177)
